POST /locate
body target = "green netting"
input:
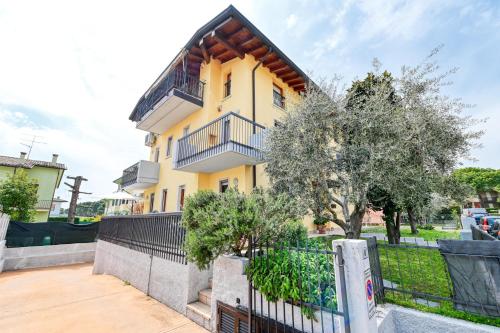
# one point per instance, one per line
(20, 234)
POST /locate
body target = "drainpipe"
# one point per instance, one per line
(254, 168)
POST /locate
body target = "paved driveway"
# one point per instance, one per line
(71, 299)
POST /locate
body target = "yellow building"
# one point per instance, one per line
(207, 113)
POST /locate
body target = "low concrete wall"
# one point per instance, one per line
(396, 319)
(171, 283)
(230, 284)
(46, 256)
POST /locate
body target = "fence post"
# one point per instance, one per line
(358, 281)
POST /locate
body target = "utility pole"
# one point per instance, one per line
(75, 191)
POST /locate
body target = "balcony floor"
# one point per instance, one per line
(220, 158)
(171, 109)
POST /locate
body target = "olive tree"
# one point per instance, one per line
(329, 150)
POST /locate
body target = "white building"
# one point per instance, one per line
(119, 203)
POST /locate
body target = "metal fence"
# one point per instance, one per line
(307, 270)
(418, 275)
(159, 235)
(478, 234)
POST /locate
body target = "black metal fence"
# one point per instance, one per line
(159, 235)
(415, 275)
(229, 132)
(304, 274)
(177, 79)
(129, 175)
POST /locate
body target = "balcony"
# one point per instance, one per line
(140, 176)
(174, 98)
(224, 143)
(43, 204)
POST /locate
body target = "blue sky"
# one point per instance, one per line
(72, 72)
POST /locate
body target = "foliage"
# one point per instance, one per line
(220, 223)
(62, 219)
(399, 134)
(296, 276)
(18, 196)
(320, 220)
(480, 179)
(91, 208)
(426, 227)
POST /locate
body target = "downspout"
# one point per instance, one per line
(254, 168)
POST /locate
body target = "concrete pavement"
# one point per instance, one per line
(71, 299)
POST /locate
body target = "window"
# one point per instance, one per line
(223, 185)
(226, 131)
(227, 86)
(151, 202)
(169, 146)
(180, 197)
(278, 98)
(157, 154)
(277, 123)
(185, 130)
(164, 200)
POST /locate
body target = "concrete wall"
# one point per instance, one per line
(171, 283)
(47, 256)
(4, 224)
(230, 283)
(396, 319)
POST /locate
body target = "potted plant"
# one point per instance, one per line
(320, 223)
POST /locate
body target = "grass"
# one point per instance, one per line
(419, 270)
(429, 235)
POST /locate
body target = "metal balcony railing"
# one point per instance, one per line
(129, 176)
(188, 84)
(43, 204)
(231, 132)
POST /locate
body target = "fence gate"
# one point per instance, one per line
(308, 269)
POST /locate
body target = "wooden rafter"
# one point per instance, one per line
(227, 44)
(248, 41)
(204, 51)
(293, 80)
(272, 62)
(290, 75)
(242, 29)
(279, 68)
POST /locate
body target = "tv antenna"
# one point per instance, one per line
(31, 143)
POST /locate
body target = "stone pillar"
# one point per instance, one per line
(359, 285)
(4, 224)
(466, 232)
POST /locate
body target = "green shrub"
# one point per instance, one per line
(220, 223)
(425, 227)
(296, 277)
(61, 219)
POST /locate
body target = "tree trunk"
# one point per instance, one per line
(413, 221)
(392, 224)
(356, 220)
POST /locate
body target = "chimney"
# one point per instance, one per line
(54, 158)
(23, 155)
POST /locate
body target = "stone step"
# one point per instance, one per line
(200, 313)
(205, 296)
(210, 283)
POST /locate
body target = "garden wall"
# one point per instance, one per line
(396, 319)
(174, 284)
(46, 256)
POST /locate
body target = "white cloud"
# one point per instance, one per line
(291, 21)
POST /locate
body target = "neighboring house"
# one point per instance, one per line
(47, 174)
(207, 112)
(488, 199)
(119, 203)
(56, 206)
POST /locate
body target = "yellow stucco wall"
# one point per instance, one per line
(215, 105)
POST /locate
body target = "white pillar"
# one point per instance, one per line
(359, 285)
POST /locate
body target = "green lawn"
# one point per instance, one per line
(430, 235)
(419, 270)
